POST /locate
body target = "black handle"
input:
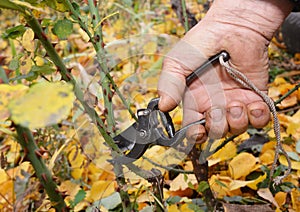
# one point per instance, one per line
(196, 74)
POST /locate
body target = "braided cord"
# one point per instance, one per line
(244, 81)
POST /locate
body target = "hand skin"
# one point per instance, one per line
(242, 28)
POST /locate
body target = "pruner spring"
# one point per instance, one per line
(152, 124)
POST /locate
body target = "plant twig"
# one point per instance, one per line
(287, 94)
(157, 184)
(25, 138)
(168, 168)
(76, 15)
(33, 23)
(100, 52)
(201, 173)
(185, 16)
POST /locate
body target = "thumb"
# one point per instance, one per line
(171, 85)
(177, 65)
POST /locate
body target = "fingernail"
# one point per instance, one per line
(216, 114)
(256, 113)
(235, 112)
(196, 137)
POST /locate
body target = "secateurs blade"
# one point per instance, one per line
(151, 124)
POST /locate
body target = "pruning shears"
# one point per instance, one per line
(151, 124)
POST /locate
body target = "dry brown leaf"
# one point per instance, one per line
(267, 195)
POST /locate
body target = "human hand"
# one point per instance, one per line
(243, 29)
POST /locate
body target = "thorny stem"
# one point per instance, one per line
(25, 138)
(100, 52)
(92, 40)
(185, 16)
(201, 173)
(33, 23)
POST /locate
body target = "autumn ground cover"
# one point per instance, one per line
(59, 109)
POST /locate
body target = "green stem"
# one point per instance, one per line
(33, 23)
(185, 16)
(100, 52)
(287, 94)
(25, 138)
(14, 54)
(86, 29)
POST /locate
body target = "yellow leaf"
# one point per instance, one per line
(39, 61)
(3, 176)
(45, 104)
(185, 208)
(76, 160)
(279, 81)
(17, 171)
(241, 165)
(295, 194)
(27, 40)
(220, 185)
(180, 183)
(253, 183)
(173, 208)
(8, 93)
(267, 157)
(267, 195)
(70, 188)
(295, 164)
(280, 198)
(100, 189)
(268, 146)
(7, 193)
(235, 184)
(227, 152)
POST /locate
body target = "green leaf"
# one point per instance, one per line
(173, 200)
(45, 69)
(78, 198)
(203, 185)
(14, 32)
(63, 28)
(3, 75)
(14, 64)
(6, 4)
(110, 202)
(43, 105)
(293, 156)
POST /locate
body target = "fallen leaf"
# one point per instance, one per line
(220, 186)
(295, 195)
(280, 198)
(294, 164)
(181, 182)
(3, 176)
(267, 157)
(76, 159)
(267, 195)
(43, 105)
(227, 152)
(241, 165)
(100, 189)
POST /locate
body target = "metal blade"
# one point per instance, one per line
(126, 140)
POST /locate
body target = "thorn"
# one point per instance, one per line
(44, 176)
(25, 138)
(38, 153)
